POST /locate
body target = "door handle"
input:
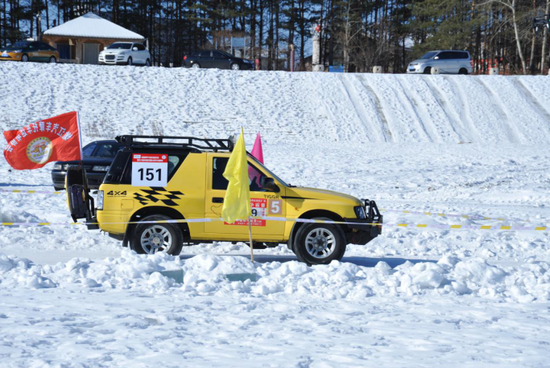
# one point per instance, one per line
(217, 200)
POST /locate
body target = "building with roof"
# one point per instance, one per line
(81, 39)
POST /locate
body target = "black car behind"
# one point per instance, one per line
(98, 156)
(216, 59)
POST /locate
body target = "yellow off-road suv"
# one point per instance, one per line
(162, 193)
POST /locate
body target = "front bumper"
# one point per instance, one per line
(12, 56)
(364, 230)
(94, 179)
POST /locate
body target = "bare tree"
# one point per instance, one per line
(544, 40)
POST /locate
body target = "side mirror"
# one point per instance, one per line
(269, 184)
(436, 58)
(134, 49)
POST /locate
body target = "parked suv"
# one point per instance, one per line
(98, 156)
(448, 61)
(165, 192)
(126, 53)
(216, 59)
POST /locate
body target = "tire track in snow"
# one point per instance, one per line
(382, 134)
(513, 134)
(466, 109)
(531, 99)
(380, 109)
(451, 114)
(429, 109)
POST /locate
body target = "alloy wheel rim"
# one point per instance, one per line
(320, 243)
(156, 239)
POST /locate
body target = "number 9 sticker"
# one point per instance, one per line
(149, 169)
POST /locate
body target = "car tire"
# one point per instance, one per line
(463, 71)
(319, 243)
(129, 62)
(57, 189)
(150, 238)
(428, 70)
(52, 60)
(24, 58)
(196, 66)
(147, 62)
(235, 66)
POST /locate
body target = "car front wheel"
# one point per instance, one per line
(149, 237)
(428, 70)
(25, 58)
(319, 243)
(130, 61)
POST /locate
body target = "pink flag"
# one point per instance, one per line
(257, 149)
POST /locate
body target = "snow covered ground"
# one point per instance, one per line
(452, 146)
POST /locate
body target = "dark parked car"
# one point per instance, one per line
(216, 59)
(98, 157)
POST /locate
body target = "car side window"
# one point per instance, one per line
(88, 150)
(205, 54)
(255, 176)
(219, 55)
(465, 55)
(444, 56)
(140, 47)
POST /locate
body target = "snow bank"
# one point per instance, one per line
(206, 275)
(285, 107)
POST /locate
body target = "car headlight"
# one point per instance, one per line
(58, 167)
(100, 168)
(360, 212)
(99, 200)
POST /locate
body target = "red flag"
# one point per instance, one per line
(53, 139)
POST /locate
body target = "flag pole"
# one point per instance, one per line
(250, 236)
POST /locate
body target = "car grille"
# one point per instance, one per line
(109, 57)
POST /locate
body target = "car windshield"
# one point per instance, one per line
(120, 46)
(21, 44)
(108, 150)
(225, 53)
(268, 171)
(428, 55)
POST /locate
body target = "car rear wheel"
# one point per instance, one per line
(235, 66)
(130, 61)
(428, 70)
(196, 66)
(25, 58)
(52, 60)
(150, 238)
(463, 71)
(319, 243)
(148, 62)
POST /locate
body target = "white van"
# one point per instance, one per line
(448, 61)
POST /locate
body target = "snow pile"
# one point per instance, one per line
(207, 275)
(285, 107)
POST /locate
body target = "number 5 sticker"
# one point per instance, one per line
(275, 207)
(149, 170)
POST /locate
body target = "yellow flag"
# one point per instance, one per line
(236, 205)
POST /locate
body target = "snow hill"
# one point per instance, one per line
(286, 107)
(431, 150)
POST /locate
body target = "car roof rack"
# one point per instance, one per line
(206, 144)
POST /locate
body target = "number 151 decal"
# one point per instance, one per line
(149, 169)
